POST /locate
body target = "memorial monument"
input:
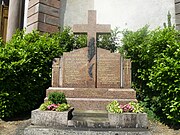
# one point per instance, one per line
(92, 77)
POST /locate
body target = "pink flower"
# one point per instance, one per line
(52, 107)
(127, 108)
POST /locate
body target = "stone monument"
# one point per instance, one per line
(92, 77)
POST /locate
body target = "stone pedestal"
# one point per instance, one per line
(91, 123)
(94, 98)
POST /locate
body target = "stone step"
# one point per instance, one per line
(95, 93)
(90, 113)
(37, 130)
(93, 103)
(89, 119)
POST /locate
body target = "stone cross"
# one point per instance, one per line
(92, 29)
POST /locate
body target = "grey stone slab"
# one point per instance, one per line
(128, 120)
(32, 130)
(50, 118)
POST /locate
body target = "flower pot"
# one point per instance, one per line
(128, 120)
(50, 118)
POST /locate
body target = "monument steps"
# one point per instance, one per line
(89, 119)
(94, 98)
(36, 130)
(87, 123)
(108, 93)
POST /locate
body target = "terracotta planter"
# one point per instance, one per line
(128, 120)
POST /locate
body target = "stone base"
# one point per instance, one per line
(128, 120)
(94, 98)
(33, 130)
(89, 123)
(51, 118)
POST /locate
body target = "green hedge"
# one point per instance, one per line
(156, 66)
(25, 69)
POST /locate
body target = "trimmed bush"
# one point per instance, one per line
(156, 66)
(25, 67)
(57, 98)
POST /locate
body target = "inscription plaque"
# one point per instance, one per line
(108, 69)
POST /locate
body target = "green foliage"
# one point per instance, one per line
(1, 42)
(80, 41)
(44, 106)
(109, 41)
(65, 39)
(114, 107)
(69, 41)
(149, 110)
(156, 66)
(25, 67)
(63, 107)
(137, 108)
(57, 98)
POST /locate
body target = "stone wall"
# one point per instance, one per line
(43, 15)
(177, 14)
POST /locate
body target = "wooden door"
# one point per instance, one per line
(3, 21)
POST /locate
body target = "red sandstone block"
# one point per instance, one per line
(52, 20)
(40, 17)
(94, 104)
(47, 28)
(177, 9)
(85, 104)
(52, 3)
(32, 3)
(32, 19)
(31, 27)
(34, 9)
(49, 10)
(95, 93)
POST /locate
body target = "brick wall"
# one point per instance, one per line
(43, 15)
(177, 14)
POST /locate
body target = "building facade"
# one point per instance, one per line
(50, 15)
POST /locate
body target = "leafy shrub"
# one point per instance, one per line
(54, 107)
(115, 107)
(45, 105)
(57, 98)
(63, 107)
(137, 108)
(56, 102)
(25, 67)
(156, 66)
(109, 41)
(1, 42)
